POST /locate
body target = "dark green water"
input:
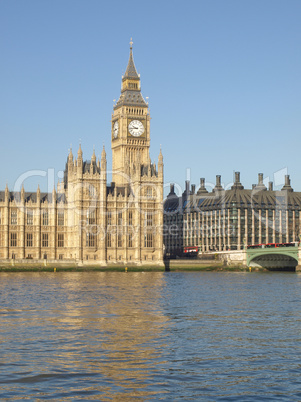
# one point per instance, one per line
(150, 336)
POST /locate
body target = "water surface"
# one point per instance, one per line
(150, 336)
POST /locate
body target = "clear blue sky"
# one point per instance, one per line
(222, 77)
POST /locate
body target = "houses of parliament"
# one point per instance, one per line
(89, 221)
(86, 220)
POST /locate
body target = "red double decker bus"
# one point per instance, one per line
(191, 251)
(272, 245)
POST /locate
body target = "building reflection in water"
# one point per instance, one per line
(117, 328)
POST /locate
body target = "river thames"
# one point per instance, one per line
(150, 336)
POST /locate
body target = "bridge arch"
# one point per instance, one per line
(274, 260)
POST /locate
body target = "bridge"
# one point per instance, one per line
(273, 257)
(263, 256)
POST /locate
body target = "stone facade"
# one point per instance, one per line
(88, 221)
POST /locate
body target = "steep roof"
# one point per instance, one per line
(131, 95)
(131, 71)
(131, 98)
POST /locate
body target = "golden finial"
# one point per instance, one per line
(131, 43)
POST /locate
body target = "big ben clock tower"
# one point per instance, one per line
(97, 223)
(130, 126)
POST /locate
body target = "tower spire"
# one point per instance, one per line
(70, 156)
(131, 71)
(130, 87)
(80, 152)
(93, 158)
(130, 126)
(103, 153)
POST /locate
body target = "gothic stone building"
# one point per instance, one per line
(87, 220)
(231, 219)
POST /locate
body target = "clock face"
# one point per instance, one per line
(115, 129)
(136, 128)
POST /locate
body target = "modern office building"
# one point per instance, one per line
(230, 219)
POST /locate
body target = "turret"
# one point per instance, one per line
(53, 195)
(160, 163)
(79, 161)
(70, 162)
(38, 196)
(6, 194)
(79, 154)
(70, 157)
(93, 158)
(22, 194)
(103, 162)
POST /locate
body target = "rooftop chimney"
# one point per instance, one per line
(218, 185)
(187, 186)
(237, 184)
(260, 185)
(202, 189)
(260, 178)
(270, 186)
(287, 185)
(287, 180)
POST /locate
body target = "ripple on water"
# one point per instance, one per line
(150, 336)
